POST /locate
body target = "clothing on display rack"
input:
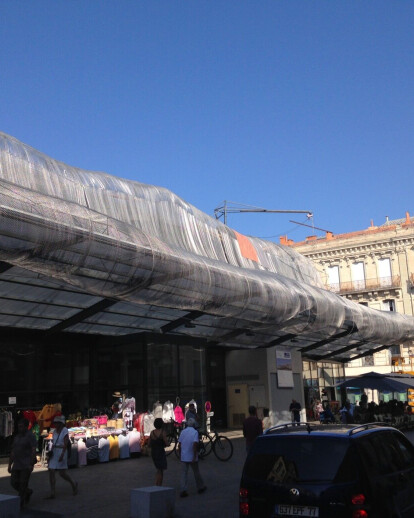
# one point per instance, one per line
(73, 458)
(127, 417)
(47, 414)
(157, 410)
(92, 444)
(139, 422)
(103, 449)
(168, 412)
(148, 424)
(82, 452)
(178, 414)
(113, 447)
(98, 439)
(128, 412)
(191, 402)
(134, 443)
(6, 423)
(123, 441)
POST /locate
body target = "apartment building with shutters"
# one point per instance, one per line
(374, 267)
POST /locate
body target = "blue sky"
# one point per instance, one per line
(305, 105)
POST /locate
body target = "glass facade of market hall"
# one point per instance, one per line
(319, 380)
(84, 374)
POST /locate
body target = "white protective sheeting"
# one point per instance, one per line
(129, 241)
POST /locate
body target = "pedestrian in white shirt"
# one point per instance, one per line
(188, 448)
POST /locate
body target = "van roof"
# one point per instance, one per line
(324, 429)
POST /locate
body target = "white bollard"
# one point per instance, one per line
(152, 502)
(9, 506)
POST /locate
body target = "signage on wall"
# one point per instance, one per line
(285, 379)
(283, 359)
(12, 400)
(284, 367)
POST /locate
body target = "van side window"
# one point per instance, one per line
(387, 463)
(406, 452)
(369, 456)
(348, 470)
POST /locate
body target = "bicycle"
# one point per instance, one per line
(222, 446)
(172, 437)
(208, 442)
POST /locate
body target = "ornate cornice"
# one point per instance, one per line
(360, 252)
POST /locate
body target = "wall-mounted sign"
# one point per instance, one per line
(12, 400)
(283, 359)
(285, 379)
(284, 367)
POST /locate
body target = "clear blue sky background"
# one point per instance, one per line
(304, 105)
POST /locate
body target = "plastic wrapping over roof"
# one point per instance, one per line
(86, 252)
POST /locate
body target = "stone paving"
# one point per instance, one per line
(104, 489)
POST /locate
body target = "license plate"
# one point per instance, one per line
(296, 510)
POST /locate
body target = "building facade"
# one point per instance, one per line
(373, 267)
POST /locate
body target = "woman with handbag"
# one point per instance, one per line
(58, 458)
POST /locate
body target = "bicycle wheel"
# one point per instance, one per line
(206, 445)
(223, 448)
(172, 444)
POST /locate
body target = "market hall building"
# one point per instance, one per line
(109, 284)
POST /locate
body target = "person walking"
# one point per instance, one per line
(266, 423)
(295, 408)
(157, 442)
(252, 428)
(191, 413)
(188, 449)
(21, 462)
(58, 460)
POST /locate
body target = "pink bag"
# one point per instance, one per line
(102, 419)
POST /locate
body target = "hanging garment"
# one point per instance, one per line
(103, 449)
(123, 446)
(46, 415)
(148, 424)
(73, 458)
(92, 450)
(134, 442)
(178, 414)
(192, 401)
(129, 404)
(157, 410)
(82, 460)
(31, 417)
(168, 412)
(113, 447)
(127, 419)
(6, 424)
(138, 423)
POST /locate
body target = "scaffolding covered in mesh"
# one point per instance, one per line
(128, 241)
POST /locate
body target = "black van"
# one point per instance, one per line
(329, 471)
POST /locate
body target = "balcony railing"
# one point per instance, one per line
(377, 283)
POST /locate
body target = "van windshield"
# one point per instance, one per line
(301, 459)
